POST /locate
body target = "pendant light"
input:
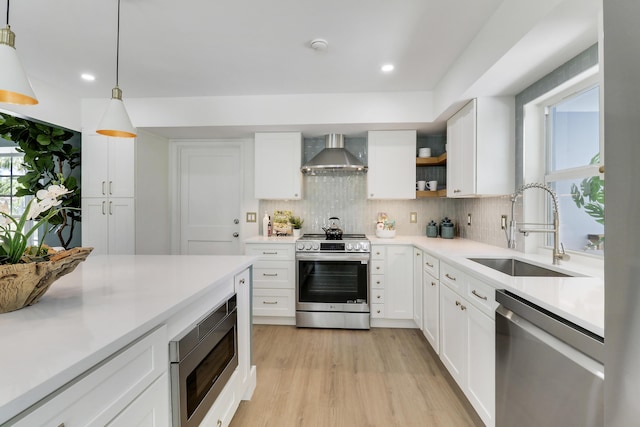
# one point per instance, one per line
(14, 84)
(115, 121)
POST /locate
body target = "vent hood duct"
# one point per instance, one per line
(334, 158)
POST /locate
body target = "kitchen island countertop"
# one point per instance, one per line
(86, 316)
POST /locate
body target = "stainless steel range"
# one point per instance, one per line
(332, 281)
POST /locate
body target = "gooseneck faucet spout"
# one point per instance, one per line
(511, 239)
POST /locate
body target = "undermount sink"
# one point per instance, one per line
(517, 268)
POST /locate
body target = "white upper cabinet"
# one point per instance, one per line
(108, 166)
(392, 164)
(278, 157)
(481, 148)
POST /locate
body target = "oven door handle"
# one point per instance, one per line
(363, 258)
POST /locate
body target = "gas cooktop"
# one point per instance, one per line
(319, 243)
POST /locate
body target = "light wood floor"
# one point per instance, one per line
(329, 377)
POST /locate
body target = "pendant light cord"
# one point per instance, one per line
(117, 44)
(8, 12)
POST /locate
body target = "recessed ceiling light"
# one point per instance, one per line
(387, 68)
(88, 77)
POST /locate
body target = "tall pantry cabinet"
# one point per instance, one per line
(108, 194)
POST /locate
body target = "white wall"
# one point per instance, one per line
(54, 106)
(152, 194)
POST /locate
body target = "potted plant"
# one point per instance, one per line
(590, 197)
(296, 223)
(26, 272)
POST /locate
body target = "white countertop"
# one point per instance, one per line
(577, 299)
(86, 316)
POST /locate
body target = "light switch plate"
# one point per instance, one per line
(413, 217)
(251, 217)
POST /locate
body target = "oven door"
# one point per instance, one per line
(198, 379)
(332, 282)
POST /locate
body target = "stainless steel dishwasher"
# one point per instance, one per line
(549, 372)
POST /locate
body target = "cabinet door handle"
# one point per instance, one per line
(103, 211)
(378, 311)
(450, 277)
(378, 282)
(103, 183)
(270, 302)
(457, 191)
(458, 303)
(478, 295)
(433, 283)
(269, 253)
(110, 187)
(110, 207)
(417, 253)
(428, 265)
(242, 281)
(219, 423)
(378, 296)
(463, 307)
(270, 274)
(378, 267)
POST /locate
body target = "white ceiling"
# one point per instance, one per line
(243, 47)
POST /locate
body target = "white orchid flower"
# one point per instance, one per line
(46, 204)
(53, 192)
(35, 209)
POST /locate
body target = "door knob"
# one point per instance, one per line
(236, 234)
(236, 221)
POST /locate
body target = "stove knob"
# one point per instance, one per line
(349, 246)
(316, 246)
(300, 246)
(307, 246)
(356, 246)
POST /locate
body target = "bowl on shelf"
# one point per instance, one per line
(385, 234)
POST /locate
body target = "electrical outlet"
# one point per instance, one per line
(503, 222)
(413, 217)
(251, 217)
(468, 219)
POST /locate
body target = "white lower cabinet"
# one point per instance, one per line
(481, 364)
(99, 397)
(417, 288)
(150, 409)
(391, 282)
(431, 310)
(273, 282)
(453, 344)
(467, 340)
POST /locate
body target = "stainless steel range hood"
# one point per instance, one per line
(334, 158)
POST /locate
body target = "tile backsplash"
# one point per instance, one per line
(345, 197)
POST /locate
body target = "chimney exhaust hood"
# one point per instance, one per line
(333, 158)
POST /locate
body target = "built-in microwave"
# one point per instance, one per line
(202, 359)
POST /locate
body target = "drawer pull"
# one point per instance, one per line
(219, 423)
(242, 281)
(378, 296)
(270, 302)
(269, 253)
(478, 295)
(378, 268)
(433, 283)
(429, 265)
(378, 311)
(270, 274)
(378, 282)
(450, 277)
(462, 307)
(458, 303)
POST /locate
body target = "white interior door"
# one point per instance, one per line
(209, 198)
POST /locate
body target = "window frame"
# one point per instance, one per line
(536, 204)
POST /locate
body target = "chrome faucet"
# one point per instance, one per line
(511, 238)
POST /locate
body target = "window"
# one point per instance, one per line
(573, 160)
(10, 170)
(563, 148)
